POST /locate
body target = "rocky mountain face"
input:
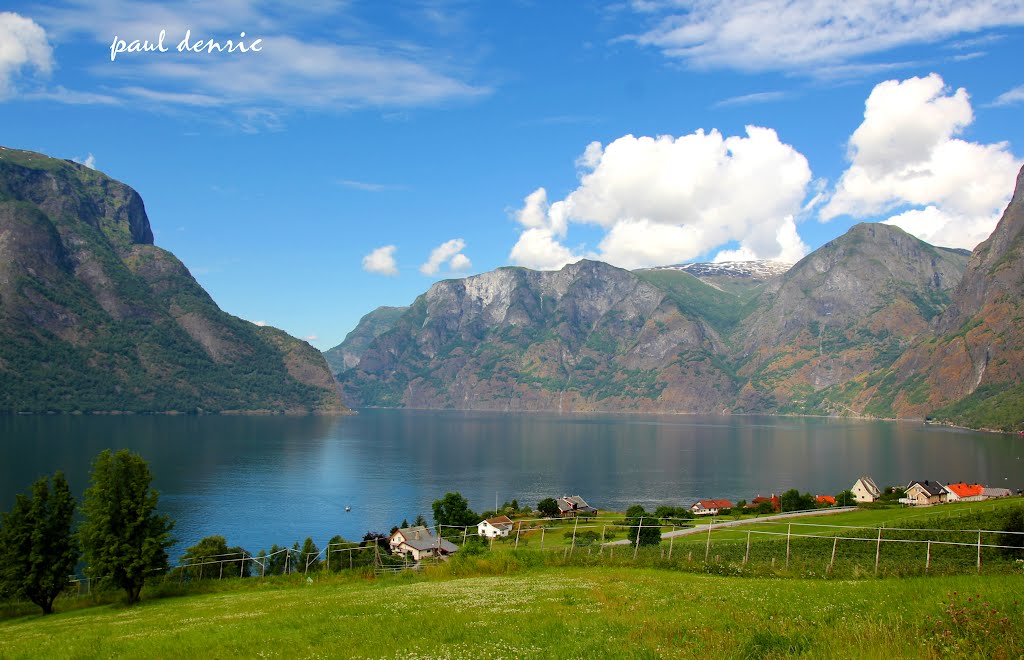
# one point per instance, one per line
(852, 306)
(347, 354)
(971, 368)
(875, 322)
(95, 318)
(587, 337)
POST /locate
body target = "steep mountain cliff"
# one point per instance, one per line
(587, 337)
(852, 306)
(95, 318)
(972, 370)
(347, 354)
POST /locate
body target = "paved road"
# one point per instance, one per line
(703, 529)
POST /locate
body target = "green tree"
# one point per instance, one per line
(548, 507)
(453, 510)
(37, 548)
(420, 521)
(124, 539)
(792, 500)
(310, 559)
(650, 532)
(845, 498)
(229, 561)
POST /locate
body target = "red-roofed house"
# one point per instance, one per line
(964, 492)
(826, 499)
(494, 527)
(773, 500)
(710, 507)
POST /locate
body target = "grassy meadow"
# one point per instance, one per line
(494, 606)
(582, 601)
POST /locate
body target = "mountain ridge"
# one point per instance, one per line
(96, 318)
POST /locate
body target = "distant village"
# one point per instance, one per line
(419, 542)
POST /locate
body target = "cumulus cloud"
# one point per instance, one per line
(809, 36)
(667, 199)
(906, 154)
(381, 261)
(450, 252)
(23, 46)
(261, 324)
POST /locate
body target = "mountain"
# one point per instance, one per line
(347, 354)
(695, 338)
(850, 307)
(587, 337)
(95, 318)
(972, 369)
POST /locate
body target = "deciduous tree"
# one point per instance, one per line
(124, 539)
(37, 548)
(548, 507)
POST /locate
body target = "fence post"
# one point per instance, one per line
(746, 555)
(519, 528)
(603, 528)
(241, 571)
(707, 548)
(789, 532)
(221, 576)
(832, 561)
(878, 551)
(573, 546)
(979, 544)
(542, 538)
(928, 558)
(639, 529)
(671, 540)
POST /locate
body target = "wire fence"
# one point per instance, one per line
(716, 545)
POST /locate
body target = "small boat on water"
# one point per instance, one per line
(348, 508)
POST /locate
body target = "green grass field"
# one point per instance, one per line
(544, 611)
(525, 603)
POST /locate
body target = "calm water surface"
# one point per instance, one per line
(265, 480)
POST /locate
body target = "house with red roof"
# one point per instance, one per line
(773, 500)
(963, 492)
(826, 500)
(710, 507)
(494, 527)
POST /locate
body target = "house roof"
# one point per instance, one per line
(826, 498)
(996, 492)
(421, 539)
(965, 490)
(714, 504)
(499, 521)
(933, 488)
(869, 485)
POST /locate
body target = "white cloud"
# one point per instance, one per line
(450, 252)
(905, 153)
(89, 161)
(803, 35)
(666, 199)
(751, 99)
(347, 69)
(23, 45)
(1014, 96)
(261, 324)
(367, 186)
(311, 338)
(381, 261)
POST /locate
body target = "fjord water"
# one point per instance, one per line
(265, 480)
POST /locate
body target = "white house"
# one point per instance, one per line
(866, 490)
(710, 507)
(419, 543)
(996, 492)
(493, 528)
(924, 493)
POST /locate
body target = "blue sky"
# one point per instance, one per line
(369, 149)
